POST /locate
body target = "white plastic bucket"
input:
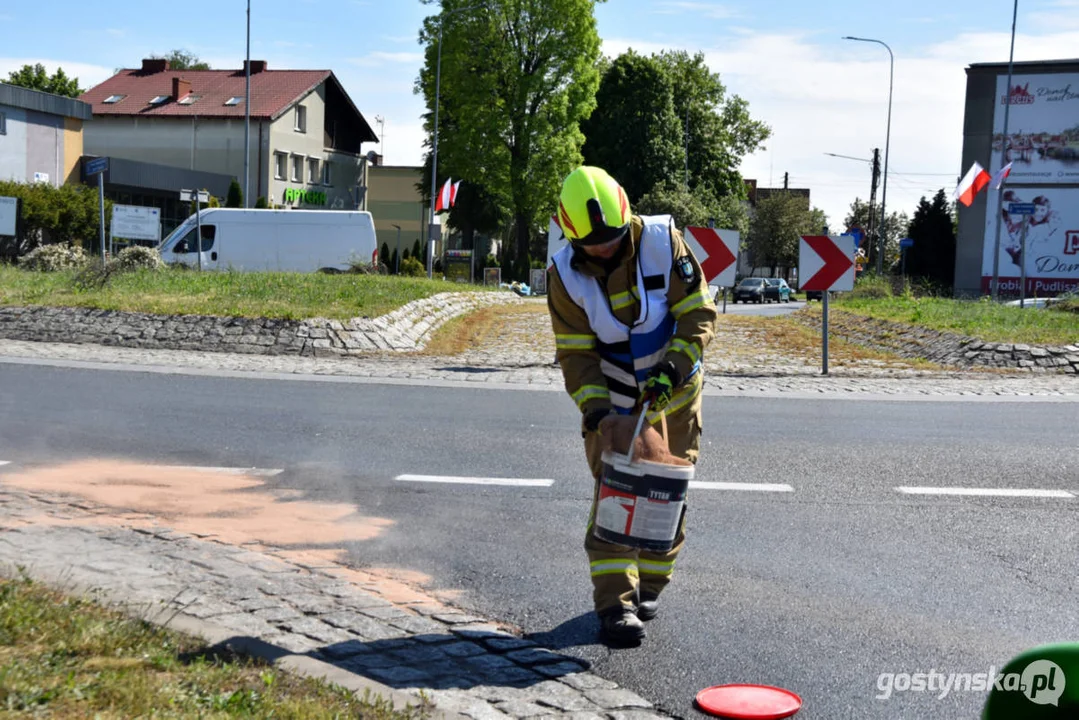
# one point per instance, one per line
(640, 503)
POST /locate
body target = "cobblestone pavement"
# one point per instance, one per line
(395, 639)
(741, 360)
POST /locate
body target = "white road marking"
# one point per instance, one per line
(517, 482)
(256, 472)
(752, 487)
(986, 492)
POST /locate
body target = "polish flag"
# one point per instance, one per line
(973, 183)
(445, 197)
(998, 179)
(453, 197)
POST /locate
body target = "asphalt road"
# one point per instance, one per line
(768, 309)
(819, 590)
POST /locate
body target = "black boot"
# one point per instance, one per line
(648, 606)
(621, 626)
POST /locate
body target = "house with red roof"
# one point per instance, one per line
(159, 126)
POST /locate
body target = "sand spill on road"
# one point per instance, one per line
(230, 508)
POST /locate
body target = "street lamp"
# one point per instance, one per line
(887, 144)
(434, 158)
(247, 114)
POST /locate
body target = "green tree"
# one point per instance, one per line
(394, 261)
(518, 77)
(182, 60)
(416, 252)
(721, 131)
(67, 214)
(694, 208)
(634, 132)
(778, 223)
(235, 198)
(384, 255)
(35, 77)
(932, 256)
(895, 225)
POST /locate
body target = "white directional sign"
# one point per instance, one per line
(556, 240)
(132, 222)
(826, 262)
(187, 195)
(716, 251)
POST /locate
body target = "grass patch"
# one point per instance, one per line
(791, 338)
(987, 321)
(293, 296)
(63, 656)
(483, 328)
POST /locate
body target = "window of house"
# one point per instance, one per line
(234, 100)
(301, 119)
(326, 173)
(159, 99)
(312, 171)
(297, 168)
(189, 99)
(113, 99)
(281, 165)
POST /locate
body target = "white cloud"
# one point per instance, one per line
(88, 75)
(378, 58)
(711, 10)
(833, 97)
(400, 38)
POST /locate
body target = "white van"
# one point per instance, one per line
(276, 240)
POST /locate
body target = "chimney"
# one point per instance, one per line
(154, 65)
(257, 66)
(180, 88)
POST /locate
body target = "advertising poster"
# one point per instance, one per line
(9, 214)
(1043, 128)
(457, 266)
(1052, 244)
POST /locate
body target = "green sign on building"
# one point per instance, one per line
(307, 197)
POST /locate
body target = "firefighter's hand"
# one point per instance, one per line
(659, 386)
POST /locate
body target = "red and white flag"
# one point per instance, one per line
(445, 197)
(453, 197)
(998, 179)
(973, 182)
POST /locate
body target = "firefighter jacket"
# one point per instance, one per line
(612, 327)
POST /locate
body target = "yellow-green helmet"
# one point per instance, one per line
(593, 208)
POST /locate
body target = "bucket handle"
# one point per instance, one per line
(640, 424)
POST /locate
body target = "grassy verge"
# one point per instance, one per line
(68, 657)
(177, 292)
(484, 327)
(987, 321)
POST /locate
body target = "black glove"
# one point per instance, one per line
(659, 386)
(593, 418)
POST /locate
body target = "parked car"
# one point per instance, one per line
(777, 289)
(751, 289)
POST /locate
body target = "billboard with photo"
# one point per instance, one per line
(1052, 242)
(1043, 128)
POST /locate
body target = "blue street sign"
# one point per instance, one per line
(97, 165)
(1020, 208)
(858, 234)
(906, 243)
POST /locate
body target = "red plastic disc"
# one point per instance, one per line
(749, 702)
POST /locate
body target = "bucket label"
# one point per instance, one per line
(644, 517)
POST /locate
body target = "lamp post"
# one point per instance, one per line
(887, 145)
(397, 254)
(247, 114)
(995, 290)
(434, 156)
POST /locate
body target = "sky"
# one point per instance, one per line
(818, 93)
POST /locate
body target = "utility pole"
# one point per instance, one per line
(872, 202)
(786, 179)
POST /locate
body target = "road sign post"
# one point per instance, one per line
(1022, 209)
(827, 263)
(99, 166)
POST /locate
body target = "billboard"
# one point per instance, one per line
(1043, 128)
(1052, 242)
(133, 222)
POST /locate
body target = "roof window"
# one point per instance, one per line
(234, 100)
(159, 99)
(189, 99)
(113, 99)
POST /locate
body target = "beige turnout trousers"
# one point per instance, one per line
(617, 570)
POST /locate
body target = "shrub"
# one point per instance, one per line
(872, 287)
(261, 204)
(235, 197)
(53, 258)
(137, 257)
(411, 267)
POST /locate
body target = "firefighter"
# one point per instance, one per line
(632, 315)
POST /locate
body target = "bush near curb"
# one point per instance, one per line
(53, 258)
